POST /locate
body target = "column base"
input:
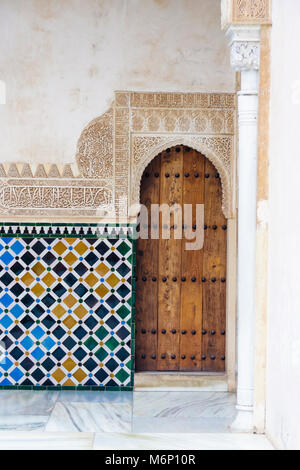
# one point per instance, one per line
(244, 420)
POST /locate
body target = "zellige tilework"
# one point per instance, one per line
(65, 308)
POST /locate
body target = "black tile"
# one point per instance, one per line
(27, 258)
(112, 259)
(27, 300)
(38, 247)
(6, 279)
(49, 258)
(80, 269)
(59, 269)
(123, 333)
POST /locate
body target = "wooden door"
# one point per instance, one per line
(180, 294)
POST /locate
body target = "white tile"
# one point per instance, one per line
(184, 404)
(113, 441)
(44, 441)
(90, 417)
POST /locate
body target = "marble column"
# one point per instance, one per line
(245, 49)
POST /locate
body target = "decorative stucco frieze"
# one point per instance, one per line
(246, 12)
(210, 121)
(37, 197)
(113, 151)
(181, 100)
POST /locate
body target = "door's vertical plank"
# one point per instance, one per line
(169, 302)
(214, 269)
(147, 277)
(192, 264)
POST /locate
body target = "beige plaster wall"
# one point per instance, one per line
(283, 349)
(61, 60)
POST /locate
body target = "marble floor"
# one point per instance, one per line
(121, 420)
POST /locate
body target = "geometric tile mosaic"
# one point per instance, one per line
(65, 310)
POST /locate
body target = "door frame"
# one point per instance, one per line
(184, 379)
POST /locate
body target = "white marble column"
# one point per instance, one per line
(245, 48)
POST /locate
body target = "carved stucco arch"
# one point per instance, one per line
(157, 145)
(113, 151)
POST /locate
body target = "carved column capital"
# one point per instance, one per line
(244, 41)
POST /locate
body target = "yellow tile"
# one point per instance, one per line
(69, 322)
(80, 311)
(69, 383)
(112, 280)
(70, 258)
(58, 375)
(79, 375)
(60, 248)
(70, 241)
(37, 289)
(38, 268)
(101, 290)
(81, 248)
(91, 279)
(59, 311)
(69, 364)
(102, 269)
(48, 279)
(27, 279)
(70, 300)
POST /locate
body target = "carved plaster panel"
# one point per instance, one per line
(95, 148)
(113, 151)
(246, 12)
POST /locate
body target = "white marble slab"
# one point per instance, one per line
(184, 404)
(73, 396)
(182, 425)
(45, 441)
(23, 422)
(90, 417)
(27, 402)
(217, 441)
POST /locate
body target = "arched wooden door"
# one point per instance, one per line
(180, 295)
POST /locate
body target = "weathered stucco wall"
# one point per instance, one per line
(62, 60)
(283, 356)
